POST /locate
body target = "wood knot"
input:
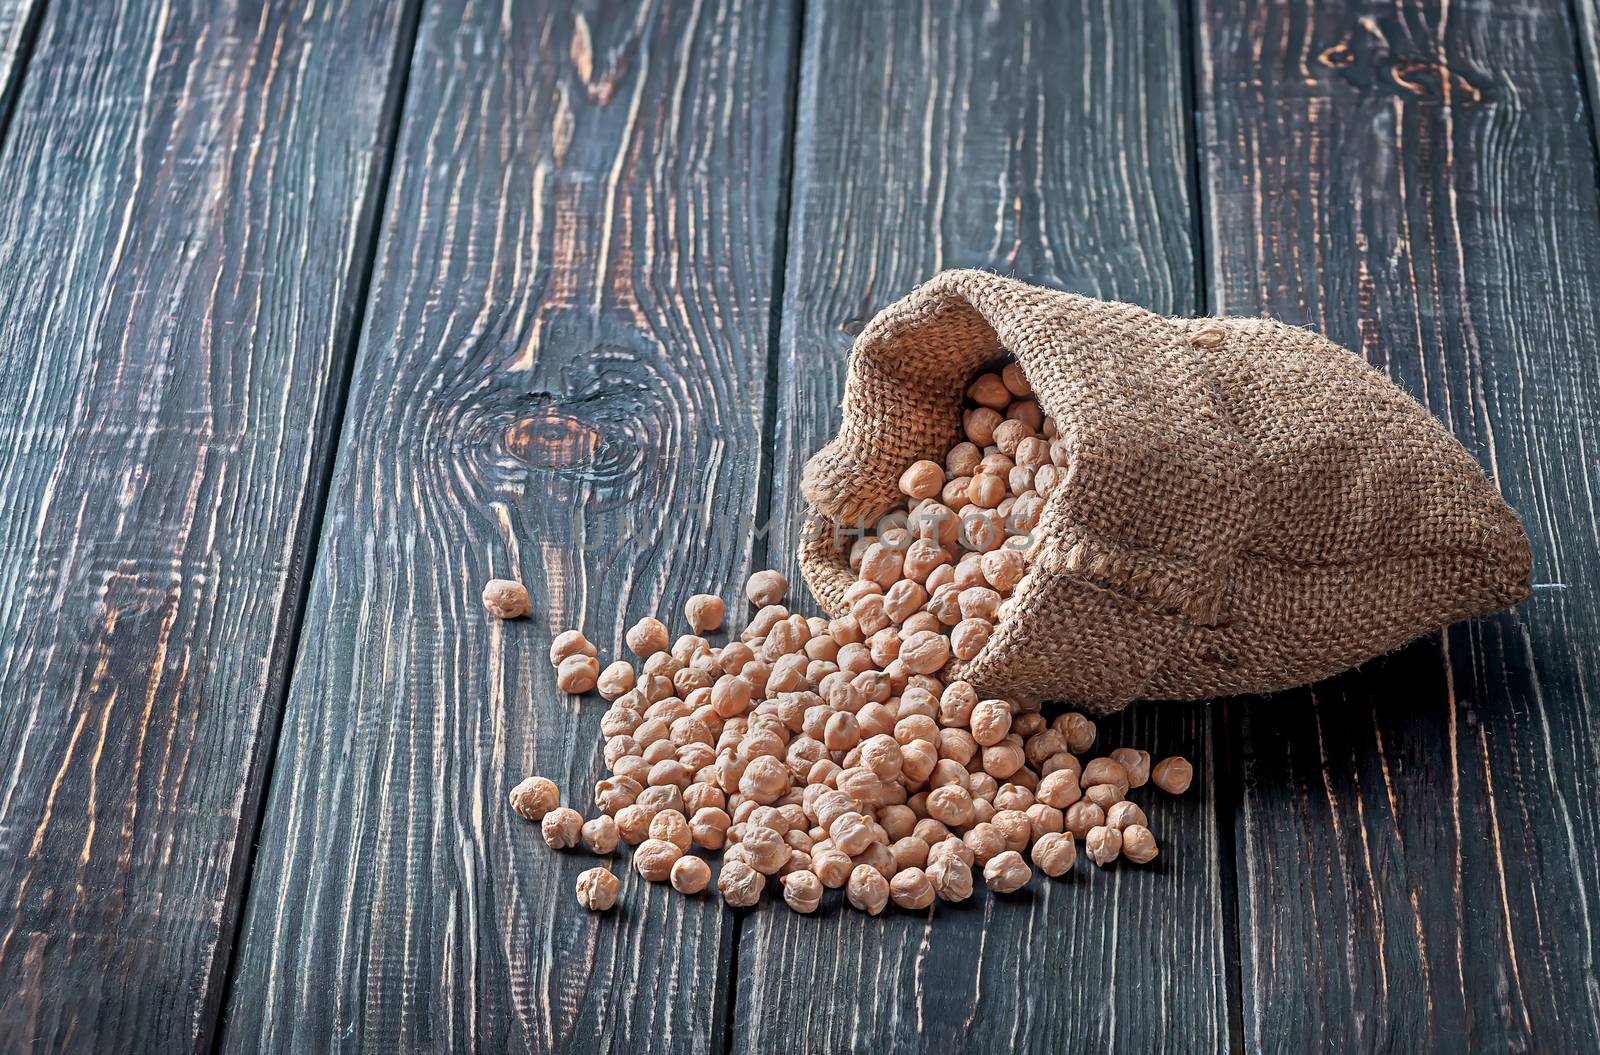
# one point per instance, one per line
(552, 439)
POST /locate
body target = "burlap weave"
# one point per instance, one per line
(1247, 507)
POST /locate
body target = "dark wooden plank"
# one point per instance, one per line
(186, 198)
(1587, 13)
(18, 22)
(1048, 141)
(562, 377)
(1417, 180)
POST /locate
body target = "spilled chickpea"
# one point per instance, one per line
(828, 754)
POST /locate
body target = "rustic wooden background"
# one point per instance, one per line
(315, 314)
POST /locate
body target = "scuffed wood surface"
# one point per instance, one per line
(185, 196)
(1417, 180)
(562, 378)
(18, 19)
(1046, 141)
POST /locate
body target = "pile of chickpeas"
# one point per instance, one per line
(822, 754)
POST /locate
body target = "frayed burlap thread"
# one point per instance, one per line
(1247, 507)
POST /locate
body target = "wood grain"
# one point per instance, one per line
(562, 378)
(1046, 141)
(18, 22)
(186, 195)
(1417, 180)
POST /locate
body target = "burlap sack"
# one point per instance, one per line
(1248, 507)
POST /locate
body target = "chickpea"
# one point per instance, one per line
(1173, 775)
(1104, 795)
(1007, 872)
(615, 680)
(951, 805)
(922, 479)
(704, 612)
(569, 643)
(1055, 853)
(990, 722)
(969, 637)
(599, 835)
(597, 889)
(577, 674)
(832, 867)
(689, 875)
(979, 425)
(985, 841)
(851, 833)
(925, 652)
(765, 850)
(560, 828)
(1082, 816)
(951, 877)
(867, 889)
(507, 599)
(911, 889)
(740, 884)
(670, 826)
(1078, 730)
(653, 859)
(1045, 819)
(1103, 845)
(765, 588)
(535, 797)
(1138, 844)
(802, 891)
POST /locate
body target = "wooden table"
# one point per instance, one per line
(316, 314)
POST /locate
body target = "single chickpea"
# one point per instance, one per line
(951, 805)
(922, 479)
(535, 797)
(989, 390)
(1173, 775)
(648, 637)
(633, 823)
(851, 833)
(766, 587)
(740, 884)
(670, 826)
(1007, 872)
(990, 722)
(1004, 568)
(1055, 853)
(1004, 760)
(867, 889)
(765, 850)
(1015, 381)
(653, 859)
(689, 875)
(1102, 845)
(613, 793)
(560, 828)
(1138, 844)
(1045, 819)
(802, 891)
(597, 889)
(1083, 815)
(1104, 795)
(507, 599)
(979, 425)
(882, 756)
(950, 875)
(925, 652)
(1124, 814)
(985, 841)
(615, 680)
(765, 780)
(577, 674)
(969, 637)
(569, 643)
(1014, 827)
(1078, 730)
(599, 835)
(911, 889)
(704, 612)
(831, 866)
(1105, 771)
